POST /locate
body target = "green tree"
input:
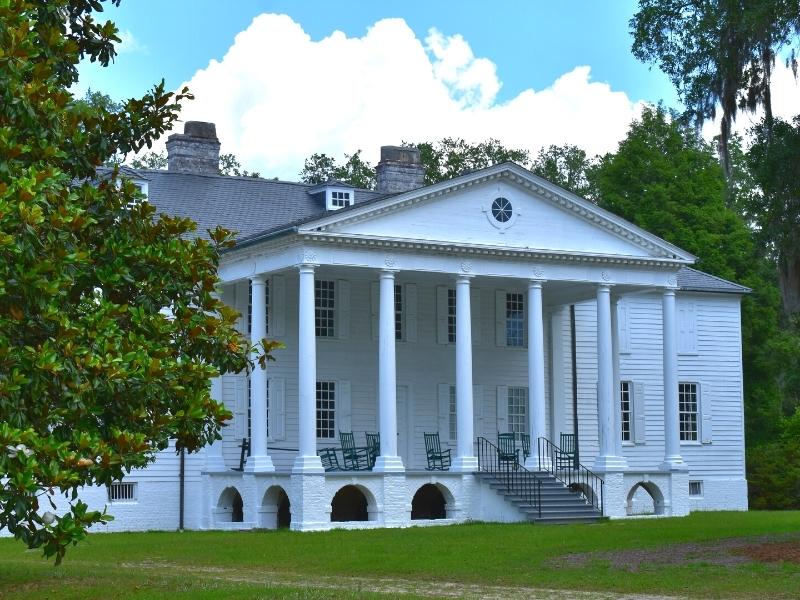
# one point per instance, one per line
(666, 179)
(718, 53)
(230, 165)
(150, 160)
(774, 161)
(109, 326)
(567, 166)
(451, 157)
(321, 168)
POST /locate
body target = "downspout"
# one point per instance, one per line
(574, 352)
(182, 479)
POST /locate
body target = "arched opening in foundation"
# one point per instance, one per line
(276, 509)
(350, 503)
(428, 503)
(645, 498)
(586, 491)
(230, 508)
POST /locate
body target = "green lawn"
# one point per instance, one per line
(692, 556)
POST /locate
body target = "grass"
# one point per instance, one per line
(342, 564)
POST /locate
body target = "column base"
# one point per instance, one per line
(673, 463)
(307, 464)
(464, 464)
(214, 464)
(259, 464)
(388, 464)
(607, 464)
(532, 463)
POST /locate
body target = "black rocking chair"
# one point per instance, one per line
(438, 459)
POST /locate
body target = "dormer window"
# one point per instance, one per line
(339, 199)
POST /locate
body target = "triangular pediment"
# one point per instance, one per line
(504, 206)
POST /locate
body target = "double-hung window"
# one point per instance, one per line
(399, 302)
(625, 409)
(687, 410)
(451, 315)
(326, 409)
(452, 418)
(325, 308)
(515, 319)
(518, 409)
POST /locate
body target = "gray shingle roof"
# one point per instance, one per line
(247, 205)
(692, 280)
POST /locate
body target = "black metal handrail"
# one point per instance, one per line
(563, 466)
(515, 478)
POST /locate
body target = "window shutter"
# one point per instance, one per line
(343, 308)
(277, 313)
(241, 302)
(444, 412)
(638, 413)
(343, 406)
(410, 308)
(687, 340)
(374, 307)
(475, 314)
(622, 324)
(441, 314)
(502, 408)
(500, 317)
(706, 430)
(240, 407)
(477, 411)
(277, 408)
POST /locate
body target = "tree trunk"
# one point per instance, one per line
(789, 273)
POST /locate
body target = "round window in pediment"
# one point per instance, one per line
(502, 209)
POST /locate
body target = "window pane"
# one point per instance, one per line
(324, 308)
(687, 406)
(453, 420)
(518, 410)
(515, 320)
(625, 409)
(398, 312)
(451, 316)
(326, 409)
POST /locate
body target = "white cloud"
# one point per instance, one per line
(278, 96)
(129, 43)
(785, 90)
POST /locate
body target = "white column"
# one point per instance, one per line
(465, 456)
(672, 442)
(259, 460)
(617, 393)
(214, 459)
(607, 460)
(387, 378)
(307, 461)
(536, 417)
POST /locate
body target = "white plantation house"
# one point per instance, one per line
(493, 303)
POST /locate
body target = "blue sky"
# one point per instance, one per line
(284, 79)
(531, 42)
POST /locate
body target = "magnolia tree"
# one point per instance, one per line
(110, 330)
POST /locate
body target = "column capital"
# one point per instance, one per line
(387, 273)
(306, 267)
(536, 283)
(463, 277)
(669, 291)
(604, 288)
(258, 278)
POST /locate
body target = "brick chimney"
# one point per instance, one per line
(399, 170)
(196, 150)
